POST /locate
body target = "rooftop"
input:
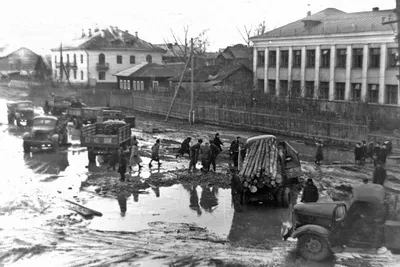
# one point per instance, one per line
(333, 21)
(150, 70)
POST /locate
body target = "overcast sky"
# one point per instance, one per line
(44, 24)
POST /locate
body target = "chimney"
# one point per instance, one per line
(126, 31)
(136, 33)
(308, 13)
(83, 33)
(375, 9)
(90, 33)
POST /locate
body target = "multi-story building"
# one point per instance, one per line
(331, 55)
(101, 54)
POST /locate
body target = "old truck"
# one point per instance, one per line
(85, 115)
(46, 131)
(366, 221)
(269, 171)
(104, 138)
(20, 111)
(56, 105)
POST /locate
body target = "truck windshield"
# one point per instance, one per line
(44, 122)
(25, 105)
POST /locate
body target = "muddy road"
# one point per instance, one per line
(160, 216)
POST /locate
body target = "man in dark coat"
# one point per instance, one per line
(310, 192)
(185, 147)
(357, 154)
(218, 142)
(364, 152)
(214, 153)
(319, 155)
(205, 157)
(379, 175)
(376, 152)
(194, 155)
(234, 151)
(237, 191)
(383, 154)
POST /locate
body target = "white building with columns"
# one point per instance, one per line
(331, 55)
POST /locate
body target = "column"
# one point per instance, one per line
(382, 69)
(332, 73)
(316, 71)
(303, 69)
(278, 63)
(348, 73)
(364, 73)
(255, 67)
(266, 59)
(290, 59)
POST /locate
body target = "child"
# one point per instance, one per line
(155, 153)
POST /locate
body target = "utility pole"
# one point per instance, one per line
(191, 112)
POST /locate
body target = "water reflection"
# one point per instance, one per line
(135, 196)
(47, 162)
(194, 199)
(122, 202)
(209, 200)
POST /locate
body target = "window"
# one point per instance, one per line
(119, 59)
(374, 57)
(324, 90)
(260, 84)
(102, 75)
(296, 89)
(373, 93)
(284, 58)
(339, 91)
(283, 86)
(272, 59)
(74, 74)
(356, 91)
(325, 58)
(155, 84)
(149, 59)
(271, 86)
(357, 57)
(141, 85)
(309, 89)
(121, 84)
(310, 59)
(128, 85)
(74, 59)
(297, 58)
(81, 75)
(132, 59)
(260, 58)
(102, 59)
(341, 58)
(81, 59)
(392, 58)
(392, 94)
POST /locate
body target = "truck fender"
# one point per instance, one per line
(314, 229)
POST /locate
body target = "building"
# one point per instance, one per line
(148, 76)
(330, 55)
(176, 53)
(234, 55)
(101, 54)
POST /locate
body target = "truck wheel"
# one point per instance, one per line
(27, 147)
(10, 119)
(91, 157)
(313, 247)
(286, 197)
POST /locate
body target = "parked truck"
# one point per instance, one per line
(269, 171)
(20, 111)
(104, 138)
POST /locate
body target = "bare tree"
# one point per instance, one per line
(260, 28)
(246, 34)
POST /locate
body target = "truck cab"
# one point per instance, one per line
(20, 111)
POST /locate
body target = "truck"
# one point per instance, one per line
(269, 172)
(20, 111)
(102, 138)
(46, 131)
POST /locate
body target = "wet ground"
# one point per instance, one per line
(152, 219)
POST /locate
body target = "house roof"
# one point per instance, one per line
(333, 21)
(200, 74)
(151, 70)
(174, 50)
(225, 72)
(109, 38)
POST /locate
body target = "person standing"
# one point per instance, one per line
(194, 154)
(370, 150)
(135, 158)
(357, 154)
(319, 155)
(310, 192)
(379, 175)
(205, 157)
(185, 147)
(383, 154)
(155, 153)
(122, 166)
(376, 152)
(113, 160)
(214, 153)
(218, 142)
(363, 152)
(234, 151)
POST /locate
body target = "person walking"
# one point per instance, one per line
(218, 142)
(113, 160)
(194, 154)
(310, 192)
(214, 153)
(135, 158)
(185, 147)
(319, 155)
(155, 153)
(357, 154)
(205, 157)
(379, 174)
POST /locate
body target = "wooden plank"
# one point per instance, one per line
(85, 210)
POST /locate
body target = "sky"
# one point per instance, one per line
(44, 24)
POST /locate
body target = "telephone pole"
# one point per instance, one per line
(191, 112)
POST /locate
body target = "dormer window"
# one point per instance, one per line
(308, 24)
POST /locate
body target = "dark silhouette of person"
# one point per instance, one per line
(194, 200)
(122, 201)
(135, 196)
(319, 155)
(156, 191)
(208, 199)
(310, 192)
(214, 153)
(185, 147)
(218, 142)
(379, 174)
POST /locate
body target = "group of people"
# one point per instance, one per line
(376, 153)
(129, 158)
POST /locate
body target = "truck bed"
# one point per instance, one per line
(94, 136)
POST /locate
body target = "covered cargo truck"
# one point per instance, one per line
(103, 138)
(268, 170)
